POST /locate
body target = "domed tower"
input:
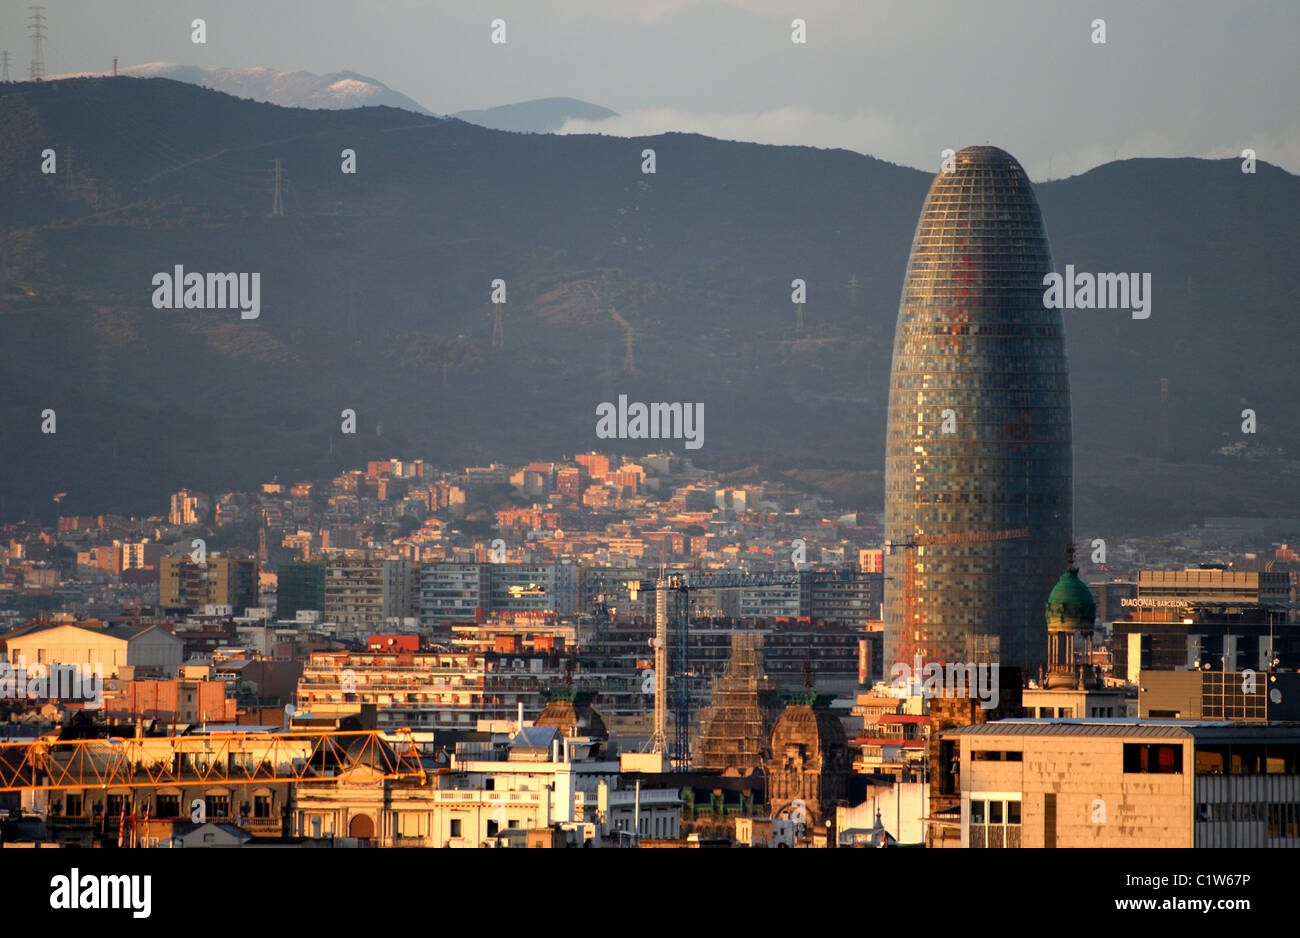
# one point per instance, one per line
(808, 764)
(978, 463)
(1071, 615)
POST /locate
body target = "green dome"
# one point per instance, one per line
(1071, 602)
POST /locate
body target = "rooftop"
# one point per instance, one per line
(1128, 728)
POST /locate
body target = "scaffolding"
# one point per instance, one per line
(736, 724)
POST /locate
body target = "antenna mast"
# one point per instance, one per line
(36, 25)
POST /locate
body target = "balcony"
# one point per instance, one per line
(263, 826)
(994, 836)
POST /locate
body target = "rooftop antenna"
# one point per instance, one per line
(36, 24)
(114, 66)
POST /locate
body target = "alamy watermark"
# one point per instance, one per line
(179, 290)
(103, 891)
(954, 679)
(1102, 291)
(638, 421)
(82, 683)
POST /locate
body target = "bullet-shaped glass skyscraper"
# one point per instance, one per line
(978, 463)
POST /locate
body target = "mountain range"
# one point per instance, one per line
(375, 297)
(342, 90)
(333, 91)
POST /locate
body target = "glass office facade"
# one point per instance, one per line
(979, 425)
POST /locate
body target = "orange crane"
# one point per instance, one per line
(230, 758)
(909, 637)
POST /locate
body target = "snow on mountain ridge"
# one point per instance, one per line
(332, 91)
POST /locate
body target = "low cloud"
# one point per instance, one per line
(915, 144)
(786, 126)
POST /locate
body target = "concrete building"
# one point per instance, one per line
(172, 701)
(189, 508)
(299, 585)
(219, 581)
(428, 689)
(469, 592)
(849, 595)
(147, 648)
(453, 592)
(769, 602)
(1231, 637)
(1113, 783)
(1247, 697)
(363, 591)
(532, 587)
(492, 795)
(1157, 588)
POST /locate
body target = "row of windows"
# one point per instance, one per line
(974, 426)
(1283, 818)
(163, 806)
(1153, 758)
(913, 371)
(994, 812)
(1017, 329)
(1240, 759)
(979, 498)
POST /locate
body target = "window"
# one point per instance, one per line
(218, 806)
(455, 827)
(1153, 758)
(1284, 820)
(115, 805)
(997, 755)
(994, 823)
(949, 767)
(72, 805)
(168, 806)
(411, 824)
(262, 806)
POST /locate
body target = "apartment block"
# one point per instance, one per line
(363, 590)
(1139, 784)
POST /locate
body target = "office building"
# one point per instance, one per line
(978, 463)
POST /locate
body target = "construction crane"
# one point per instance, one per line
(672, 609)
(228, 758)
(908, 633)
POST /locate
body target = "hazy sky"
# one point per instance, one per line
(900, 80)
